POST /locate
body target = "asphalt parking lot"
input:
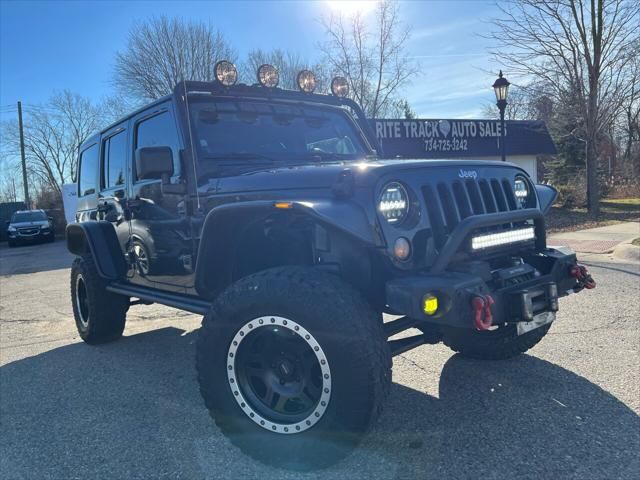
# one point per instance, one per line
(131, 409)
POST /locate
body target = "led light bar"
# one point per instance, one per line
(502, 238)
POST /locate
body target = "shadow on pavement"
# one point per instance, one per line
(132, 409)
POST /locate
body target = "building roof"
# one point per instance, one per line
(451, 138)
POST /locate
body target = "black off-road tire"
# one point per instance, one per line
(499, 344)
(102, 317)
(349, 333)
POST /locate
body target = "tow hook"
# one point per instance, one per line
(584, 278)
(483, 318)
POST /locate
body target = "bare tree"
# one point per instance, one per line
(371, 56)
(8, 191)
(519, 107)
(53, 134)
(629, 121)
(162, 52)
(576, 46)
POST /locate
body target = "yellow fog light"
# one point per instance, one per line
(430, 304)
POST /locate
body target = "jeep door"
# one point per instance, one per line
(88, 179)
(161, 239)
(113, 180)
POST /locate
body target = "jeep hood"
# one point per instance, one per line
(365, 173)
(37, 223)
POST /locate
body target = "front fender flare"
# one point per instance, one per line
(99, 239)
(222, 224)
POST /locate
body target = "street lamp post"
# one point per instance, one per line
(501, 89)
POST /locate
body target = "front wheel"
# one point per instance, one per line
(99, 314)
(498, 344)
(293, 365)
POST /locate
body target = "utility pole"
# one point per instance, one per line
(24, 160)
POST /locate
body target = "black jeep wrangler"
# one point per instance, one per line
(273, 214)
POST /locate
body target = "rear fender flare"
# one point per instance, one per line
(224, 222)
(99, 239)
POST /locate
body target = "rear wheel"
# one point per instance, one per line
(99, 314)
(498, 344)
(293, 365)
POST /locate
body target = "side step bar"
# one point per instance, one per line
(175, 300)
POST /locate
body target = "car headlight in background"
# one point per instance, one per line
(394, 203)
(521, 191)
(11, 229)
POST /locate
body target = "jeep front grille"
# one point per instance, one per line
(450, 203)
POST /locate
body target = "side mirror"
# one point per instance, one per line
(7, 223)
(154, 163)
(546, 196)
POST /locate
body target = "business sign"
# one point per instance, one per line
(431, 138)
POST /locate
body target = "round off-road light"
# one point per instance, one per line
(306, 81)
(340, 87)
(394, 203)
(268, 76)
(226, 73)
(401, 248)
(521, 191)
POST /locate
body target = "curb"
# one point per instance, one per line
(627, 251)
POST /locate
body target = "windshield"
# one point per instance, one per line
(28, 217)
(242, 130)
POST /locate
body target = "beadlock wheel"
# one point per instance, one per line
(279, 375)
(82, 301)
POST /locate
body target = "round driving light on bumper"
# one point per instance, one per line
(226, 73)
(268, 76)
(340, 87)
(521, 191)
(306, 81)
(401, 248)
(394, 203)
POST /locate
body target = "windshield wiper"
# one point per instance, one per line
(239, 156)
(335, 156)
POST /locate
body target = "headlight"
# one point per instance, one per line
(306, 81)
(226, 73)
(394, 203)
(11, 229)
(340, 87)
(521, 191)
(268, 76)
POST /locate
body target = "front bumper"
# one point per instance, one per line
(519, 293)
(30, 237)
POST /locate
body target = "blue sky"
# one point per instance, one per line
(48, 46)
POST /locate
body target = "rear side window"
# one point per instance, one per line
(114, 156)
(88, 171)
(159, 131)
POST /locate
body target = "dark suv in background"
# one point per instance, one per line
(30, 226)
